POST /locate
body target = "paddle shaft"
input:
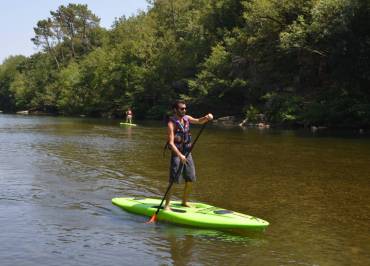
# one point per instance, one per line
(181, 167)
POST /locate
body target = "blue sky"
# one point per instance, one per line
(18, 17)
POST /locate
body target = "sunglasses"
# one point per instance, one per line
(182, 109)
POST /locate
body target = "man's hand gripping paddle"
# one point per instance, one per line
(179, 170)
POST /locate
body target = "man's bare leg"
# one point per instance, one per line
(168, 199)
(187, 190)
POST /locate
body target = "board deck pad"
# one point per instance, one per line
(198, 214)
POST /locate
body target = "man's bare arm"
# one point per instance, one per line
(200, 120)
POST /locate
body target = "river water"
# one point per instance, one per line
(58, 176)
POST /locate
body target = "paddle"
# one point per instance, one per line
(179, 170)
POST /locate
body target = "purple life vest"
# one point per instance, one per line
(182, 134)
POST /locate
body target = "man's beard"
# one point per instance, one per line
(180, 114)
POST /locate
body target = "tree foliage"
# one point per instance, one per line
(297, 61)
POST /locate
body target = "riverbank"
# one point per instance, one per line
(224, 121)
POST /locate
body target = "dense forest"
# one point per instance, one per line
(299, 62)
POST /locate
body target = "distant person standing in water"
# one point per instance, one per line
(129, 115)
(179, 141)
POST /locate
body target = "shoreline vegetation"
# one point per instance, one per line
(253, 63)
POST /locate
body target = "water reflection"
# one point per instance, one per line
(231, 236)
(186, 245)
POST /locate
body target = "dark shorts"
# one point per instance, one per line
(188, 172)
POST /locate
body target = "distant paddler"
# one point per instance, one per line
(129, 115)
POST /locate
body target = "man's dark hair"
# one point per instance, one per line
(175, 105)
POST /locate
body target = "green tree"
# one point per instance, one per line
(8, 74)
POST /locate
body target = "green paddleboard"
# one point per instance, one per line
(198, 214)
(127, 124)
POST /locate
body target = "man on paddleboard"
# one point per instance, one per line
(179, 142)
(129, 115)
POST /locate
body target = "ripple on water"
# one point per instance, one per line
(58, 176)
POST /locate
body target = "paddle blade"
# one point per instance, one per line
(152, 219)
